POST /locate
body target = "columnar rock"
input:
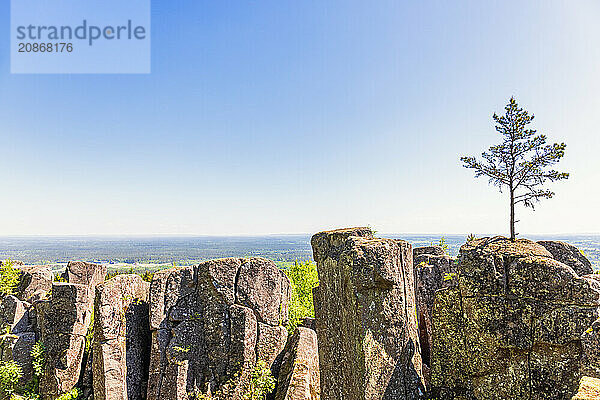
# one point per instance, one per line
(121, 339)
(35, 281)
(210, 323)
(366, 317)
(299, 373)
(432, 273)
(511, 328)
(64, 320)
(17, 322)
(569, 255)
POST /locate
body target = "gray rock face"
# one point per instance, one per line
(432, 273)
(121, 339)
(63, 320)
(569, 255)
(17, 319)
(211, 322)
(34, 283)
(84, 273)
(590, 343)
(17, 348)
(511, 327)
(299, 373)
(14, 315)
(366, 317)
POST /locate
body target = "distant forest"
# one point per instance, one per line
(188, 250)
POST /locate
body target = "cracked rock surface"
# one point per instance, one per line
(511, 327)
(366, 317)
(63, 321)
(211, 323)
(121, 339)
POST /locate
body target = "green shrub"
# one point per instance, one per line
(9, 278)
(37, 359)
(262, 382)
(443, 244)
(303, 278)
(89, 336)
(10, 373)
(70, 395)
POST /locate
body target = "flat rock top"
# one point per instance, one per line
(504, 246)
(341, 234)
(358, 231)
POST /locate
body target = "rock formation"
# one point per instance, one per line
(63, 322)
(121, 339)
(35, 281)
(506, 321)
(84, 273)
(211, 322)
(511, 328)
(569, 255)
(366, 317)
(590, 342)
(299, 373)
(18, 318)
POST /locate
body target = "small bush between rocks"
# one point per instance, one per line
(303, 278)
(37, 356)
(9, 278)
(10, 373)
(261, 383)
(70, 395)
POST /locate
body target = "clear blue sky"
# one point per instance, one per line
(297, 116)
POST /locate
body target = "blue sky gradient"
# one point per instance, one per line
(289, 117)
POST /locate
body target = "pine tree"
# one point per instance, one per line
(520, 163)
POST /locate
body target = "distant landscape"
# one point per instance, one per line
(160, 252)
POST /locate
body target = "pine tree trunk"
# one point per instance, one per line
(512, 215)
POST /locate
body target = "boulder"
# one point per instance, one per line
(511, 327)
(366, 317)
(84, 273)
(299, 373)
(63, 322)
(432, 273)
(210, 323)
(121, 339)
(570, 255)
(35, 281)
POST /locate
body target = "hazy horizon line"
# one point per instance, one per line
(193, 235)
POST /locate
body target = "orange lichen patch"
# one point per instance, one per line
(589, 388)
